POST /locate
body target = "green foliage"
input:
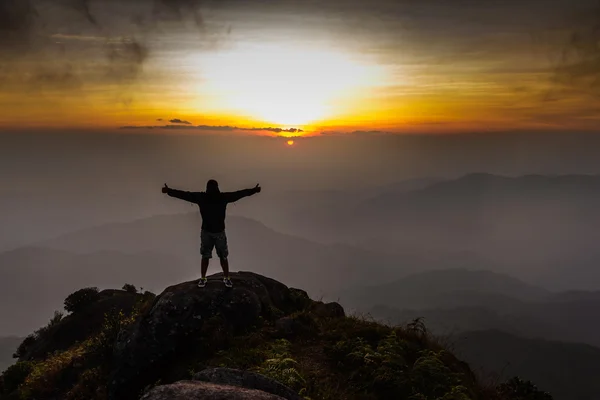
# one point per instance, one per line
(518, 389)
(91, 385)
(14, 376)
(393, 367)
(56, 318)
(281, 366)
(129, 288)
(47, 377)
(78, 300)
(114, 322)
(35, 336)
(64, 372)
(417, 327)
(325, 358)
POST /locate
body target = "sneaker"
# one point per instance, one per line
(202, 282)
(227, 282)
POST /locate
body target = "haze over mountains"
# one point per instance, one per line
(539, 229)
(454, 301)
(566, 370)
(477, 253)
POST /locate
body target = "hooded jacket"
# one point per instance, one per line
(213, 205)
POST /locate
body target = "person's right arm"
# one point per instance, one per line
(180, 194)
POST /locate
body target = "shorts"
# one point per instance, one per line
(210, 240)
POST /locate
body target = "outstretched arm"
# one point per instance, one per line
(180, 194)
(235, 196)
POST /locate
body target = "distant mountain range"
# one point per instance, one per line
(500, 325)
(447, 289)
(569, 371)
(539, 228)
(453, 301)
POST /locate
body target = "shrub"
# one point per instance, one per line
(281, 367)
(114, 322)
(393, 367)
(518, 389)
(91, 385)
(129, 288)
(25, 345)
(78, 300)
(31, 339)
(15, 375)
(58, 316)
(47, 378)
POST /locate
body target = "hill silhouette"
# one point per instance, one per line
(269, 342)
(447, 288)
(567, 370)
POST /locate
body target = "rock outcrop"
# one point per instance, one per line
(194, 390)
(246, 379)
(176, 320)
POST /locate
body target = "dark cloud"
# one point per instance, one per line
(17, 18)
(216, 128)
(125, 59)
(80, 6)
(222, 128)
(580, 64)
(264, 129)
(355, 133)
(56, 35)
(275, 130)
(179, 121)
(178, 9)
(159, 119)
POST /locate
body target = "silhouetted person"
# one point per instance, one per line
(213, 205)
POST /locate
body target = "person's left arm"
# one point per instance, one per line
(232, 197)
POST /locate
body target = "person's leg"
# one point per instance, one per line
(225, 266)
(223, 253)
(204, 266)
(207, 244)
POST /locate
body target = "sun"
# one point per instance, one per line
(282, 84)
(290, 142)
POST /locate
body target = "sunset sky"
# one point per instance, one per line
(337, 65)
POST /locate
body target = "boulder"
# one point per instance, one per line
(327, 310)
(248, 380)
(296, 325)
(194, 390)
(148, 348)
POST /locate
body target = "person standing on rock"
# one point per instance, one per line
(213, 205)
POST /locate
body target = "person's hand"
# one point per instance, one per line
(257, 188)
(165, 188)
